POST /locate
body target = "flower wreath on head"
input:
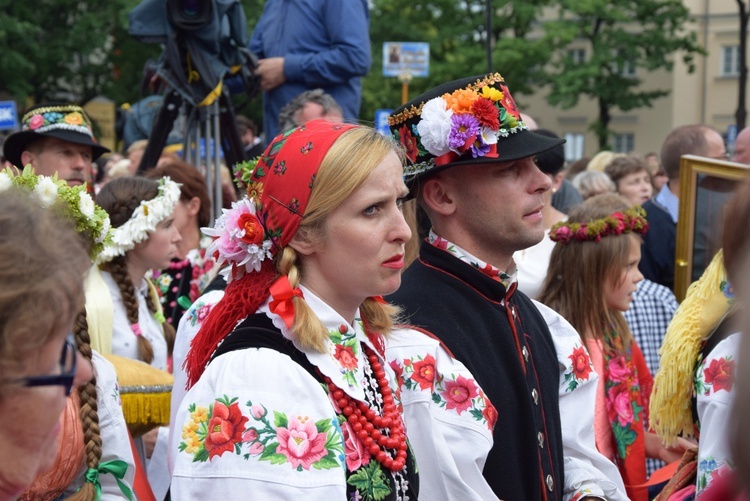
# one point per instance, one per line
(90, 219)
(143, 221)
(621, 222)
(243, 172)
(240, 240)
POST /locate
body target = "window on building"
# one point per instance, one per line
(730, 61)
(573, 146)
(577, 55)
(624, 143)
(623, 67)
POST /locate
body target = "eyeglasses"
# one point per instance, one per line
(68, 360)
(723, 156)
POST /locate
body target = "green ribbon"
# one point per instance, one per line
(117, 468)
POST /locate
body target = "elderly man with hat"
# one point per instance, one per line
(55, 138)
(498, 391)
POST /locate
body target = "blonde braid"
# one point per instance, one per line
(310, 332)
(89, 411)
(119, 271)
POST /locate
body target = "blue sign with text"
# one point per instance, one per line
(8, 115)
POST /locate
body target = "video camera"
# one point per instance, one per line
(205, 41)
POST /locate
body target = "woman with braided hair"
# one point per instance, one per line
(94, 459)
(290, 395)
(145, 238)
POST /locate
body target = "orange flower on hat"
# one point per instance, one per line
(74, 118)
(460, 101)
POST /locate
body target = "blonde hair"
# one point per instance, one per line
(601, 160)
(578, 271)
(590, 183)
(346, 166)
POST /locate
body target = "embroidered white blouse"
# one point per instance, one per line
(715, 391)
(281, 436)
(451, 445)
(124, 341)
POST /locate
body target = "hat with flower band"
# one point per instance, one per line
(248, 236)
(464, 122)
(66, 122)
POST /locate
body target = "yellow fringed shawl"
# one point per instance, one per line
(695, 320)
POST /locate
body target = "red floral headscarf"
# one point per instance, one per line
(277, 196)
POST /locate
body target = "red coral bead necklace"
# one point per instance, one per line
(368, 425)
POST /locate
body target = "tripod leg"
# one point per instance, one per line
(231, 142)
(169, 110)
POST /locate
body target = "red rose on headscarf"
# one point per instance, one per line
(581, 363)
(224, 429)
(508, 103)
(409, 142)
(720, 373)
(486, 112)
(346, 357)
(253, 230)
(459, 393)
(424, 372)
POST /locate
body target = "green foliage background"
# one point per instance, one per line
(80, 49)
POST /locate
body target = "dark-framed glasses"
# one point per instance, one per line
(68, 360)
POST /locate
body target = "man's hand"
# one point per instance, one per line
(271, 73)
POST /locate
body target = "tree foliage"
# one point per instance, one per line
(645, 34)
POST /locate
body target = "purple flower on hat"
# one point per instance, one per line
(464, 131)
(479, 148)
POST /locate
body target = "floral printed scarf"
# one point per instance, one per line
(627, 386)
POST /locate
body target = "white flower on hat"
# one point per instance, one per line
(86, 205)
(46, 191)
(488, 135)
(106, 225)
(5, 181)
(435, 126)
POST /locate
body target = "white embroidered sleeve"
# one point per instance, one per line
(714, 385)
(450, 444)
(587, 472)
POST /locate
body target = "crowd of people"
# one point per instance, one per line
(451, 311)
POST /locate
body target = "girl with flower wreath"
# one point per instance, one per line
(93, 459)
(290, 395)
(144, 238)
(592, 275)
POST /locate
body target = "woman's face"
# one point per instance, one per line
(30, 417)
(636, 187)
(160, 247)
(360, 252)
(618, 293)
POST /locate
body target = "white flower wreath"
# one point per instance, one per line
(143, 221)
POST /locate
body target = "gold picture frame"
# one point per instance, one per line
(705, 186)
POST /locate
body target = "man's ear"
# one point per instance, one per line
(27, 158)
(437, 194)
(303, 243)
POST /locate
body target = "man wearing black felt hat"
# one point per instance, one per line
(498, 392)
(55, 138)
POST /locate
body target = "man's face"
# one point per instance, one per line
(311, 111)
(742, 147)
(71, 161)
(499, 206)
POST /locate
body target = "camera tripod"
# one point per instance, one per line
(207, 128)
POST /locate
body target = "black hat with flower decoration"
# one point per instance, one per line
(66, 122)
(464, 122)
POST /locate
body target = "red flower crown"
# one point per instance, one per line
(627, 221)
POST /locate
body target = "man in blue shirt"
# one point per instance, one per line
(308, 44)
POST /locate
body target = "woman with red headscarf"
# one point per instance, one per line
(290, 395)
